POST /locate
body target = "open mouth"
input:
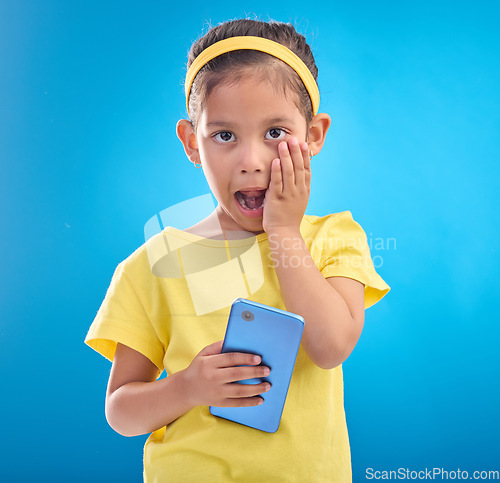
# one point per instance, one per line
(251, 200)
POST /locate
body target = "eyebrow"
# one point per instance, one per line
(274, 120)
(218, 123)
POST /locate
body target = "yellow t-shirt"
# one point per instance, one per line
(171, 298)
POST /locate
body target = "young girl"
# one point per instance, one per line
(253, 128)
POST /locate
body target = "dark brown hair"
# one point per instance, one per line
(229, 67)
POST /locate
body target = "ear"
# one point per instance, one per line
(187, 136)
(316, 134)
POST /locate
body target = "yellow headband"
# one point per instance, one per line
(248, 42)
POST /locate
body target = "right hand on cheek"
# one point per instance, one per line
(210, 376)
(289, 187)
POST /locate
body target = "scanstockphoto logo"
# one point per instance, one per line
(229, 271)
(236, 270)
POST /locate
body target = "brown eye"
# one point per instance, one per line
(275, 133)
(224, 137)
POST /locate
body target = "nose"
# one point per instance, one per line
(253, 157)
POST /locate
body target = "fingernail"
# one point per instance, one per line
(267, 387)
(267, 371)
(256, 359)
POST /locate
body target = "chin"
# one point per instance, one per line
(253, 225)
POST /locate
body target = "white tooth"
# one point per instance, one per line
(241, 200)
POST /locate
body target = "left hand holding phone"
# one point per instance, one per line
(209, 379)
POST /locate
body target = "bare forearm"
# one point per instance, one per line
(142, 407)
(329, 335)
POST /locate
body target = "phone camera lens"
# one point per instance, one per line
(247, 315)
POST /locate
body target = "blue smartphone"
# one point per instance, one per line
(274, 335)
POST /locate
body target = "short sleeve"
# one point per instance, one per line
(343, 251)
(124, 318)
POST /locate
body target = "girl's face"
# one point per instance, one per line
(237, 138)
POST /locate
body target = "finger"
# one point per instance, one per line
(307, 163)
(297, 161)
(241, 402)
(240, 373)
(212, 349)
(286, 166)
(237, 391)
(231, 359)
(276, 182)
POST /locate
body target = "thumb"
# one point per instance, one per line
(212, 349)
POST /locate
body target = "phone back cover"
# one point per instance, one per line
(275, 335)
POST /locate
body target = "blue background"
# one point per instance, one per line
(89, 96)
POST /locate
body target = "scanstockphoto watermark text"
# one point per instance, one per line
(431, 474)
(380, 244)
(354, 247)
